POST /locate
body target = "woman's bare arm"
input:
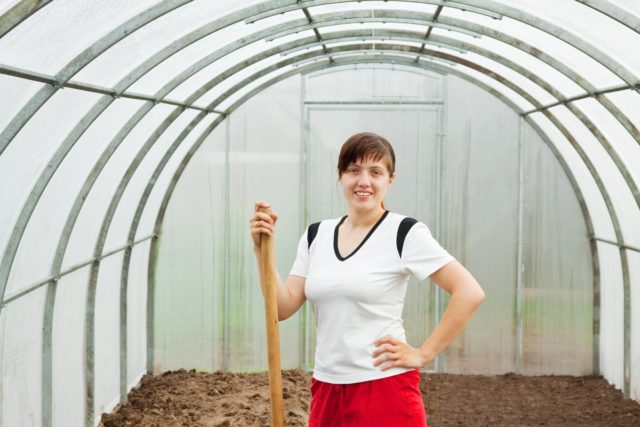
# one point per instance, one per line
(466, 296)
(290, 292)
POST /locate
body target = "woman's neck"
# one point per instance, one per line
(367, 219)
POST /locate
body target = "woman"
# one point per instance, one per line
(354, 272)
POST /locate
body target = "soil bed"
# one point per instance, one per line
(189, 398)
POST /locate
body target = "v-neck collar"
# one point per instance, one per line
(335, 237)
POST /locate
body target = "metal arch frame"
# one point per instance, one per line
(124, 280)
(614, 12)
(388, 16)
(315, 67)
(327, 19)
(221, 51)
(77, 64)
(187, 38)
(18, 13)
(251, 79)
(303, 4)
(495, 57)
(192, 38)
(592, 170)
(32, 106)
(596, 176)
(95, 267)
(628, 77)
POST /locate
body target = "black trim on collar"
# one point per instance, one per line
(335, 237)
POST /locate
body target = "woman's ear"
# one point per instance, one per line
(392, 178)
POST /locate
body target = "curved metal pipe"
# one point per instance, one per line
(78, 63)
(153, 249)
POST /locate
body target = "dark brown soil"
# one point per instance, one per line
(192, 398)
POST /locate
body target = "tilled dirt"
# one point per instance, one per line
(189, 398)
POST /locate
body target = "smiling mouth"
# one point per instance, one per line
(363, 193)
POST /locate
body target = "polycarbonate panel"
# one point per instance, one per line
(627, 148)
(107, 335)
(240, 33)
(83, 238)
(137, 314)
(40, 240)
(190, 270)
(480, 221)
(532, 63)
(236, 96)
(264, 164)
(374, 83)
(30, 151)
(514, 76)
(602, 225)
(609, 36)
(594, 72)
(611, 344)
(631, 6)
(21, 360)
(240, 76)
(150, 213)
(619, 192)
(190, 86)
(54, 35)
(153, 38)
(511, 95)
(19, 91)
(629, 102)
(68, 349)
(121, 223)
(557, 280)
(634, 270)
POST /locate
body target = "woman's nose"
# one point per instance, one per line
(364, 179)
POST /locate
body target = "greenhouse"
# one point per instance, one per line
(135, 138)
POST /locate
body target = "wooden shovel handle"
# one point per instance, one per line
(273, 335)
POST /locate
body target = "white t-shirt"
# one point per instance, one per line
(359, 298)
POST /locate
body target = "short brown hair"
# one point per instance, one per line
(365, 145)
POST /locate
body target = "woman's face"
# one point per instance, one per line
(365, 183)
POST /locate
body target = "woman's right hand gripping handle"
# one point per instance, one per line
(290, 293)
(261, 223)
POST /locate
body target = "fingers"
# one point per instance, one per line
(262, 223)
(262, 226)
(391, 353)
(261, 204)
(387, 340)
(384, 349)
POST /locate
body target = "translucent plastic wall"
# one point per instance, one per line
(482, 180)
(104, 103)
(206, 260)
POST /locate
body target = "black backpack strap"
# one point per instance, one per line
(311, 233)
(403, 229)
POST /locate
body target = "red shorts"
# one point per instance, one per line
(394, 401)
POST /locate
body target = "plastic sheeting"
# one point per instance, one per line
(70, 148)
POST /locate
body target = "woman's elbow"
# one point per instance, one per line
(478, 295)
(283, 316)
